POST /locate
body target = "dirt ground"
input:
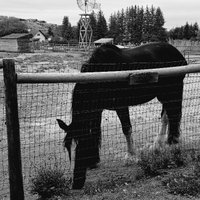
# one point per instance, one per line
(41, 139)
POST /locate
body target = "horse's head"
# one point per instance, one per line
(69, 141)
(82, 144)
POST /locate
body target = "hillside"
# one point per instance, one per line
(32, 25)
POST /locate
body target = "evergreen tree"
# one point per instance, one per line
(146, 35)
(102, 28)
(132, 23)
(186, 31)
(120, 26)
(66, 29)
(194, 31)
(50, 32)
(93, 24)
(159, 31)
(113, 27)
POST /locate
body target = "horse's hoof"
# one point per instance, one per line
(130, 159)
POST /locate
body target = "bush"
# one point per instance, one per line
(49, 182)
(163, 158)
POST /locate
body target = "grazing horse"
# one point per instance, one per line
(90, 99)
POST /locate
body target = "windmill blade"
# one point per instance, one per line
(86, 5)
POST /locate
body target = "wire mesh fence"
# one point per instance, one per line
(41, 138)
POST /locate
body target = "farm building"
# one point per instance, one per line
(103, 41)
(16, 42)
(40, 35)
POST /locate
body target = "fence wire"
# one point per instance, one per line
(41, 138)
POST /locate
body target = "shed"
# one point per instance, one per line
(103, 41)
(16, 42)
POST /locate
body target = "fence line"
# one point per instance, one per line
(102, 76)
(85, 77)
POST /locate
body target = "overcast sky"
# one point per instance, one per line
(176, 12)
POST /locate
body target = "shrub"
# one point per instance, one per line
(163, 158)
(49, 182)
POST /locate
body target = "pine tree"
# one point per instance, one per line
(186, 31)
(160, 32)
(146, 35)
(66, 29)
(113, 27)
(102, 28)
(93, 24)
(50, 32)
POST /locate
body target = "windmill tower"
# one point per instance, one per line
(85, 32)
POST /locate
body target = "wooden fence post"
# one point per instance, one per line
(13, 134)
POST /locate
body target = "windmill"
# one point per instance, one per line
(85, 33)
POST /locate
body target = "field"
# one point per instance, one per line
(41, 139)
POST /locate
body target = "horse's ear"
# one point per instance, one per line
(62, 125)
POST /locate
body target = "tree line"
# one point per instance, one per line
(188, 32)
(131, 25)
(134, 25)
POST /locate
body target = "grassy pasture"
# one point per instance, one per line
(41, 138)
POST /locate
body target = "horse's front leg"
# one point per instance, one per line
(123, 114)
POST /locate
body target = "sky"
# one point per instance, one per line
(176, 12)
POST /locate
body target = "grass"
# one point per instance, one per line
(187, 182)
(173, 169)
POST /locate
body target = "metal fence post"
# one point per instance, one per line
(13, 133)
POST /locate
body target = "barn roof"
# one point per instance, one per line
(43, 32)
(17, 36)
(103, 41)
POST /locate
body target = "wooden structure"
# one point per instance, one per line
(13, 134)
(85, 34)
(16, 42)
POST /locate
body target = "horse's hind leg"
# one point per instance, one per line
(173, 111)
(123, 114)
(172, 104)
(162, 136)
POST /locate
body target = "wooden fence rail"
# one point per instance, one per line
(102, 76)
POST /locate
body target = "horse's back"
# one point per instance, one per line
(153, 52)
(148, 56)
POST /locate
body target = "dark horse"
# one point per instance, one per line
(90, 99)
